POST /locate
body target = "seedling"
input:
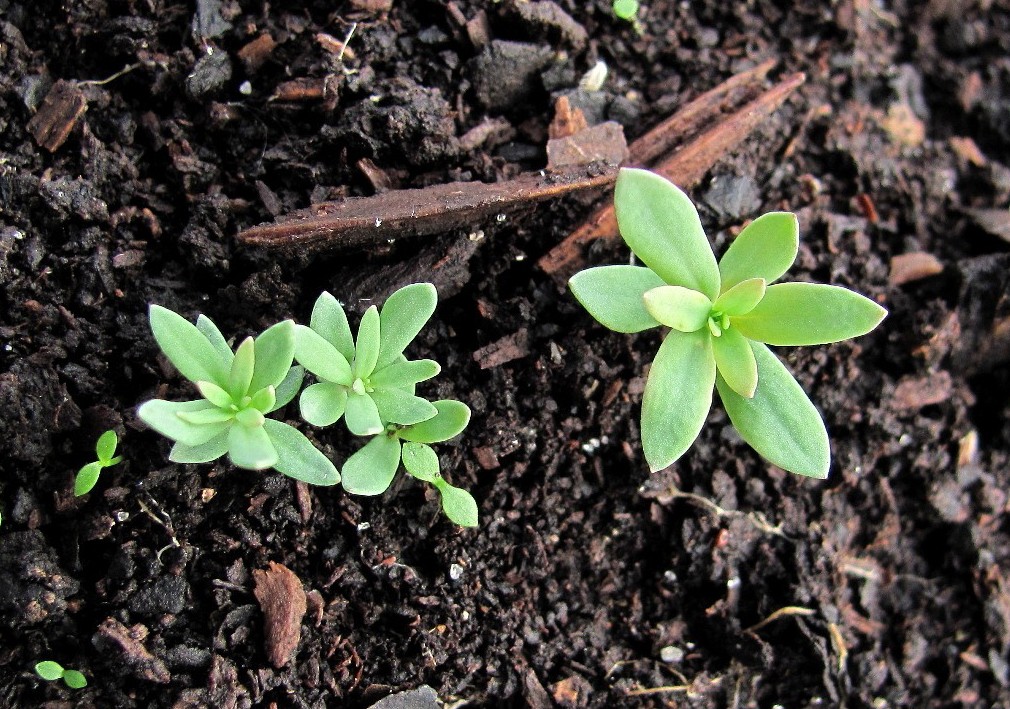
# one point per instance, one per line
(52, 671)
(105, 449)
(722, 317)
(239, 389)
(626, 9)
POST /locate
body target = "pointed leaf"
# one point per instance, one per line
(250, 448)
(370, 470)
(297, 457)
(366, 347)
(321, 357)
(105, 448)
(275, 350)
(330, 321)
(186, 347)
(661, 225)
(678, 396)
(458, 504)
(362, 416)
(242, 369)
(49, 670)
(681, 308)
(420, 460)
(809, 314)
(734, 360)
(249, 417)
(216, 339)
(288, 388)
(613, 295)
(215, 394)
(86, 478)
(74, 679)
(403, 315)
(323, 404)
(741, 298)
(779, 422)
(203, 453)
(397, 406)
(206, 416)
(766, 248)
(264, 400)
(162, 417)
(449, 422)
(403, 374)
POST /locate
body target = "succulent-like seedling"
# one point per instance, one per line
(722, 315)
(625, 9)
(105, 450)
(52, 671)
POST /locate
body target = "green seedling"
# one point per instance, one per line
(52, 671)
(105, 449)
(239, 389)
(626, 9)
(367, 380)
(371, 470)
(722, 315)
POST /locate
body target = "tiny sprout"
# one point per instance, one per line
(626, 9)
(52, 671)
(105, 449)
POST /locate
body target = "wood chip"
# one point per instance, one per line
(282, 598)
(375, 6)
(381, 180)
(992, 221)
(904, 126)
(914, 393)
(968, 150)
(128, 644)
(486, 457)
(913, 266)
(255, 54)
(567, 120)
(489, 133)
(572, 692)
(603, 143)
(60, 110)
(508, 348)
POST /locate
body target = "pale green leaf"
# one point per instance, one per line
(449, 422)
(275, 350)
(297, 457)
(203, 453)
(249, 417)
(681, 308)
(87, 478)
(613, 295)
(216, 339)
(163, 417)
(404, 374)
(403, 315)
(330, 321)
(678, 396)
(323, 404)
(186, 347)
(320, 357)
(661, 225)
(264, 400)
(809, 314)
(366, 347)
(741, 298)
(74, 679)
(370, 470)
(458, 504)
(288, 388)
(779, 422)
(397, 406)
(215, 394)
(420, 460)
(242, 366)
(766, 248)
(362, 416)
(49, 670)
(734, 360)
(206, 416)
(249, 447)
(105, 448)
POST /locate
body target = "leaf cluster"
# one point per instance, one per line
(52, 671)
(105, 451)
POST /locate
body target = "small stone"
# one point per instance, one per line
(671, 654)
(424, 697)
(505, 74)
(211, 73)
(455, 572)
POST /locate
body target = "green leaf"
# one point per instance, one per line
(206, 416)
(362, 416)
(105, 448)
(779, 422)
(242, 366)
(275, 350)
(288, 388)
(420, 460)
(323, 404)
(766, 248)
(320, 357)
(397, 406)
(449, 422)
(809, 314)
(263, 400)
(366, 347)
(403, 315)
(613, 295)
(681, 308)
(203, 453)
(458, 505)
(215, 394)
(86, 478)
(74, 679)
(249, 417)
(404, 374)
(162, 417)
(216, 339)
(741, 298)
(49, 670)
(370, 470)
(186, 347)
(249, 447)
(678, 396)
(661, 225)
(734, 360)
(330, 321)
(297, 457)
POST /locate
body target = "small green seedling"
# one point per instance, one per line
(722, 315)
(366, 381)
(239, 389)
(626, 9)
(52, 671)
(105, 449)
(371, 470)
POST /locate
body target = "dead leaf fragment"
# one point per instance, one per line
(60, 110)
(914, 266)
(914, 393)
(282, 598)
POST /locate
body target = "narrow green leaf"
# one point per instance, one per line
(288, 388)
(275, 350)
(420, 460)
(186, 347)
(809, 314)
(250, 448)
(397, 406)
(661, 225)
(297, 457)
(613, 295)
(779, 422)
(330, 321)
(449, 422)
(74, 679)
(362, 416)
(320, 357)
(105, 448)
(366, 347)
(370, 470)
(242, 369)
(206, 416)
(264, 400)
(681, 308)
(766, 248)
(323, 404)
(163, 417)
(49, 670)
(203, 453)
(403, 374)
(216, 339)
(734, 360)
(249, 417)
(215, 394)
(458, 504)
(87, 478)
(741, 298)
(678, 396)
(403, 315)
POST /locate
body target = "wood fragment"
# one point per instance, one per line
(128, 644)
(601, 143)
(282, 598)
(506, 349)
(381, 180)
(60, 110)
(913, 266)
(913, 393)
(255, 54)
(567, 120)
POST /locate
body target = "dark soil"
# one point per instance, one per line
(589, 582)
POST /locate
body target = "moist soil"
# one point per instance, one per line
(719, 582)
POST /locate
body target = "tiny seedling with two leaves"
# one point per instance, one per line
(105, 450)
(52, 671)
(723, 315)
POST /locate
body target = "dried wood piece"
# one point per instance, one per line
(602, 143)
(504, 350)
(913, 394)
(381, 180)
(255, 53)
(490, 132)
(60, 110)
(913, 266)
(567, 120)
(128, 643)
(308, 89)
(282, 598)
(992, 221)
